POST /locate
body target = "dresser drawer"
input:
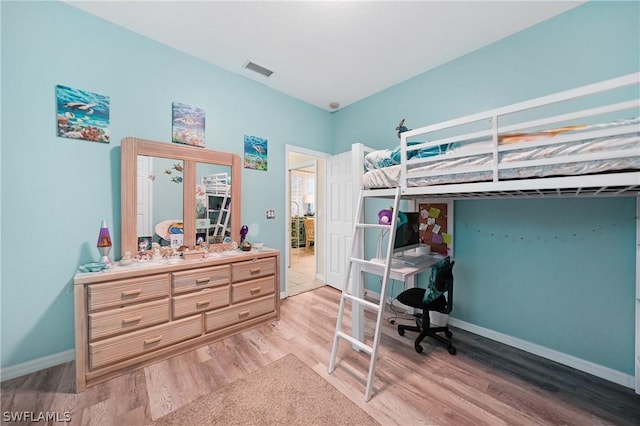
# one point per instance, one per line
(201, 278)
(253, 269)
(253, 289)
(120, 320)
(126, 292)
(118, 348)
(228, 316)
(202, 300)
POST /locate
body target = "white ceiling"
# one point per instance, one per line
(327, 51)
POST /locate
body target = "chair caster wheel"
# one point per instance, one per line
(418, 348)
(452, 350)
(448, 333)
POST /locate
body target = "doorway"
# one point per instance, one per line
(302, 259)
(305, 220)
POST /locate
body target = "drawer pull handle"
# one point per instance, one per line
(202, 303)
(202, 280)
(243, 313)
(131, 319)
(254, 290)
(128, 293)
(254, 271)
(154, 340)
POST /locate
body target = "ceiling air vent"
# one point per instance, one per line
(257, 68)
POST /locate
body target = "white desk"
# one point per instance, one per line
(403, 271)
(400, 272)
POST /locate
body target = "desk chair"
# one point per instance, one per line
(310, 236)
(443, 302)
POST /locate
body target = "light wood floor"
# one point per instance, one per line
(486, 383)
(302, 273)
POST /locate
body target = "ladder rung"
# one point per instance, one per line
(372, 225)
(355, 299)
(368, 262)
(356, 342)
(380, 193)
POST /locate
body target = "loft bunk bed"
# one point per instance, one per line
(583, 142)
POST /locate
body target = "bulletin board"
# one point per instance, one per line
(434, 227)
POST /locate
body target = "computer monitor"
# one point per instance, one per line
(408, 234)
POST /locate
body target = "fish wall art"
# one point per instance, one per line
(255, 153)
(82, 115)
(188, 125)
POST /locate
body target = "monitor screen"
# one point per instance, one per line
(408, 234)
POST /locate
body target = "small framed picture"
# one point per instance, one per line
(82, 115)
(176, 240)
(144, 243)
(201, 237)
(255, 153)
(188, 125)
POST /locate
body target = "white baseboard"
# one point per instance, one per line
(32, 366)
(553, 355)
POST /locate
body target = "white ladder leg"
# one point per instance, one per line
(345, 286)
(356, 302)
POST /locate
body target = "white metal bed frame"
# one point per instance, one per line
(615, 183)
(622, 183)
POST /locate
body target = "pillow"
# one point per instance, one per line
(379, 159)
(433, 292)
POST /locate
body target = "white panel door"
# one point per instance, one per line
(339, 215)
(145, 196)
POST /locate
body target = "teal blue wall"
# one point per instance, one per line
(55, 191)
(558, 273)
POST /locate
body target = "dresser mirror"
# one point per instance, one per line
(171, 189)
(159, 199)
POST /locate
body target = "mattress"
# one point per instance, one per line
(464, 169)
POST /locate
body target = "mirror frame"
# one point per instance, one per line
(132, 147)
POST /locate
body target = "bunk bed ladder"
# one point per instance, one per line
(222, 221)
(218, 185)
(357, 302)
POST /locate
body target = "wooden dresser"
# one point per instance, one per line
(130, 316)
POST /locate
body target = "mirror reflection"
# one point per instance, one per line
(213, 203)
(160, 186)
(159, 205)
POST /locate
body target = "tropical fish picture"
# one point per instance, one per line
(188, 125)
(255, 153)
(82, 115)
